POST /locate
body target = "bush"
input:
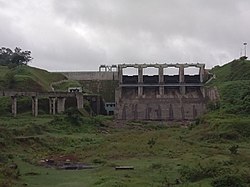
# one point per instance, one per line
(233, 149)
(228, 181)
(152, 142)
(199, 172)
(73, 116)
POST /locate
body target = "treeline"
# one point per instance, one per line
(14, 58)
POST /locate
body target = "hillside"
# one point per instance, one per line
(26, 78)
(233, 82)
(212, 151)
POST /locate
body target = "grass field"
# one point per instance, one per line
(162, 154)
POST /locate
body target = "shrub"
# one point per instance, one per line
(199, 171)
(151, 142)
(228, 181)
(233, 149)
(73, 116)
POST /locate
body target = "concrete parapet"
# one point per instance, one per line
(91, 75)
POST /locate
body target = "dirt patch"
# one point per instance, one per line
(67, 162)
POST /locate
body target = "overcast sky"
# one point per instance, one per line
(83, 34)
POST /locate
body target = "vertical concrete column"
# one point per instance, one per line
(52, 105)
(35, 106)
(61, 104)
(161, 80)
(79, 99)
(120, 74)
(140, 74)
(181, 73)
(140, 81)
(202, 72)
(203, 91)
(14, 105)
(182, 79)
(161, 76)
(98, 100)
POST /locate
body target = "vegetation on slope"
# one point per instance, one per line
(213, 151)
(26, 78)
(233, 82)
(162, 154)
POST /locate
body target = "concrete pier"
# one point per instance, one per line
(34, 106)
(61, 104)
(160, 96)
(14, 105)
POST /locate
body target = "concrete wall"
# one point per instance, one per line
(161, 96)
(91, 75)
(170, 106)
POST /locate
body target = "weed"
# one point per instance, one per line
(152, 142)
(228, 181)
(233, 149)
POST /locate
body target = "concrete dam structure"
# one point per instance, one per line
(161, 96)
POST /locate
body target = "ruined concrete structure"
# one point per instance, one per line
(56, 100)
(160, 96)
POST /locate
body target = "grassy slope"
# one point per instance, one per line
(97, 141)
(233, 82)
(29, 78)
(196, 155)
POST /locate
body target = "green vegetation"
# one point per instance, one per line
(212, 151)
(65, 84)
(25, 78)
(162, 154)
(14, 58)
(233, 82)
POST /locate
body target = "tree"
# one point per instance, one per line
(14, 58)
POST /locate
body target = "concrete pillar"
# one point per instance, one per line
(161, 80)
(202, 72)
(52, 105)
(182, 90)
(61, 104)
(140, 81)
(79, 99)
(14, 105)
(98, 107)
(161, 76)
(140, 91)
(181, 74)
(35, 106)
(140, 74)
(203, 91)
(182, 79)
(120, 74)
(161, 90)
